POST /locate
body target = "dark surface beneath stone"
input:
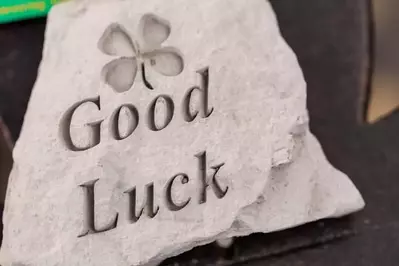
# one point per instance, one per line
(20, 55)
(332, 41)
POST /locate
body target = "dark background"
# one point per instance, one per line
(333, 40)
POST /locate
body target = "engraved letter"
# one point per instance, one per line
(170, 108)
(65, 126)
(172, 206)
(89, 213)
(219, 192)
(149, 203)
(204, 90)
(132, 124)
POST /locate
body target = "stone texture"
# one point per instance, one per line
(275, 170)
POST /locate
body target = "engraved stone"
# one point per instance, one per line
(157, 126)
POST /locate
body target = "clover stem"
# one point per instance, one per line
(146, 83)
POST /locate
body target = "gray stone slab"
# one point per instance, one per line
(199, 114)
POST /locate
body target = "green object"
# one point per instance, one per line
(14, 10)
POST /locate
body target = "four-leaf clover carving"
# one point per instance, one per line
(121, 73)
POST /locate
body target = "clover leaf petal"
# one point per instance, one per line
(116, 41)
(120, 73)
(154, 30)
(166, 61)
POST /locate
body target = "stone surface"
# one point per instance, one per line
(252, 128)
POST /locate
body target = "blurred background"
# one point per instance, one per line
(384, 96)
